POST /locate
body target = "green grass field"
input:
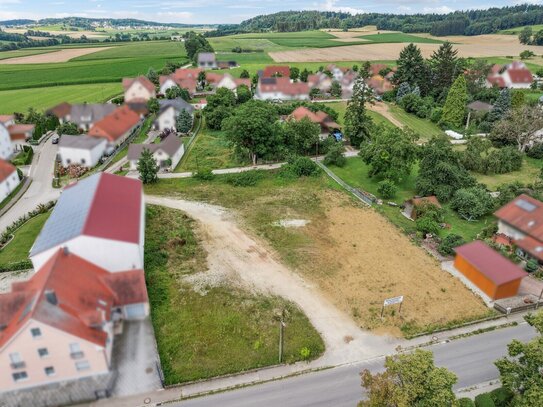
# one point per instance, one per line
(20, 100)
(218, 331)
(517, 30)
(529, 173)
(341, 107)
(425, 128)
(17, 250)
(388, 38)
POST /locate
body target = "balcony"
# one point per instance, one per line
(77, 355)
(18, 365)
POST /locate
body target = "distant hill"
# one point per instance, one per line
(87, 23)
(469, 22)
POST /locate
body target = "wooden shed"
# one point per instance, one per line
(495, 275)
(411, 205)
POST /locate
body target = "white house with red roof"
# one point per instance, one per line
(99, 218)
(18, 135)
(281, 88)
(6, 147)
(184, 78)
(326, 123)
(57, 329)
(138, 90)
(116, 126)
(9, 179)
(521, 220)
(513, 76)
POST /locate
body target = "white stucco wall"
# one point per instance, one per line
(137, 91)
(57, 343)
(8, 185)
(167, 85)
(84, 157)
(166, 120)
(6, 148)
(509, 230)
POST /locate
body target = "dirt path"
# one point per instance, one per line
(382, 109)
(235, 254)
(63, 55)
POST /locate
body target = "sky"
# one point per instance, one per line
(224, 11)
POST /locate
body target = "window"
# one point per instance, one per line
(43, 352)
(19, 376)
(75, 351)
(50, 371)
(15, 357)
(82, 365)
(82, 161)
(36, 332)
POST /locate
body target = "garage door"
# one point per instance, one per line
(134, 311)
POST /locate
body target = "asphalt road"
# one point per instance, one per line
(41, 189)
(471, 358)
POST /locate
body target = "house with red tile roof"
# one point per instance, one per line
(514, 76)
(326, 123)
(274, 71)
(116, 126)
(522, 221)
(59, 325)
(184, 78)
(138, 90)
(99, 218)
(18, 134)
(9, 179)
(281, 88)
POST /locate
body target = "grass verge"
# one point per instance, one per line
(17, 250)
(218, 330)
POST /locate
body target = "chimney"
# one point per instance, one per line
(65, 250)
(51, 297)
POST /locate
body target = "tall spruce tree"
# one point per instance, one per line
(501, 107)
(445, 67)
(358, 123)
(412, 68)
(147, 167)
(183, 123)
(454, 109)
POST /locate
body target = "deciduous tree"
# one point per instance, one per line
(519, 127)
(409, 380)
(301, 136)
(358, 123)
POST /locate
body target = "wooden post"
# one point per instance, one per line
(400, 310)
(539, 299)
(281, 327)
(382, 310)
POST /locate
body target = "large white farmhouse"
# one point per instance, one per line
(99, 218)
(9, 179)
(81, 150)
(6, 148)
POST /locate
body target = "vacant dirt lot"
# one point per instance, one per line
(63, 55)
(476, 46)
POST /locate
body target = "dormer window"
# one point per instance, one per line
(531, 223)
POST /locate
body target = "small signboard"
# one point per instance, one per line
(394, 300)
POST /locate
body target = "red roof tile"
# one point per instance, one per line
(532, 246)
(276, 70)
(525, 214)
(61, 110)
(6, 169)
(520, 76)
(72, 295)
(4, 118)
(146, 83)
(284, 86)
(116, 124)
(496, 81)
(190, 73)
(490, 263)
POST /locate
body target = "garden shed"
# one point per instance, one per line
(492, 273)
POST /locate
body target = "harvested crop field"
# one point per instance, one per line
(351, 255)
(475, 46)
(63, 55)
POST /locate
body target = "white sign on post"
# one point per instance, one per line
(392, 301)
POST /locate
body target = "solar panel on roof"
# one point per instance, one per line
(68, 218)
(527, 206)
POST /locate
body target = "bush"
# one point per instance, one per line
(427, 225)
(501, 396)
(204, 174)
(447, 245)
(472, 203)
(20, 174)
(300, 167)
(305, 353)
(335, 156)
(15, 266)
(245, 179)
(536, 151)
(531, 266)
(387, 189)
(389, 96)
(436, 116)
(465, 402)
(484, 400)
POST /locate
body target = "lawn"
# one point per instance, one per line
(388, 38)
(210, 150)
(217, 331)
(516, 30)
(531, 168)
(348, 251)
(425, 128)
(18, 249)
(355, 173)
(341, 107)
(44, 98)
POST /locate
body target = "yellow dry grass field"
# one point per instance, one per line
(62, 55)
(493, 45)
(357, 259)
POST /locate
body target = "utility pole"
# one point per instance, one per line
(281, 319)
